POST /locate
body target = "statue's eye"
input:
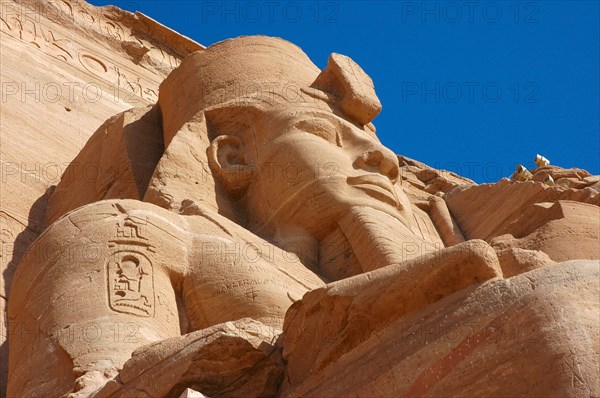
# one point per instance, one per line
(321, 128)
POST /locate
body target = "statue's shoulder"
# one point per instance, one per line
(117, 162)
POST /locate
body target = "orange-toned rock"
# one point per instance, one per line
(64, 71)
(245, 233)
(111, 164)
(535, 334)
(231, 359)
(563, 223)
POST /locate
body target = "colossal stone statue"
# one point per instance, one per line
(250, 236)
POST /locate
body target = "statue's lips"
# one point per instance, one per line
(376, 186)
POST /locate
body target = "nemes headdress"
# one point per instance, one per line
(231, 79)
(263, 69)
(161, 154)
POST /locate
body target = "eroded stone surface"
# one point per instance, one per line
(64, 72)
(189, 393)
(228, 222)
(498, 339)
(226, 360)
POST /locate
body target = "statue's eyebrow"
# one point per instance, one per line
(345, 124)
(338, 124)
(324, 118)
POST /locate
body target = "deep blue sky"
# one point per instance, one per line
(474, 87)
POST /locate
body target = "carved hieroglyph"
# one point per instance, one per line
(65, 67)
(130, 274)
(259, 240)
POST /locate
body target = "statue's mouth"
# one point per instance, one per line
(376, 186)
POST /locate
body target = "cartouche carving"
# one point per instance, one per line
(130, 270)
(280, 249)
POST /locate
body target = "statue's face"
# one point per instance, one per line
(312, 166)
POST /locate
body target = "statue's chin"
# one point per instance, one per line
(317, 210)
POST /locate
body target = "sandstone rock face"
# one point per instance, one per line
(189, 393)
(228, 224)
(499, 339)
(118, 275)
(111, 164)
(562, 222)
(64, 72)
(225, 360)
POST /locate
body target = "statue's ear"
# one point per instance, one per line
(226, 157)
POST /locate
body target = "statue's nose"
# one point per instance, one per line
(380, 160)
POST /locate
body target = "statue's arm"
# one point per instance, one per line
(348, 311)
(401, 288)
(97, 284)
